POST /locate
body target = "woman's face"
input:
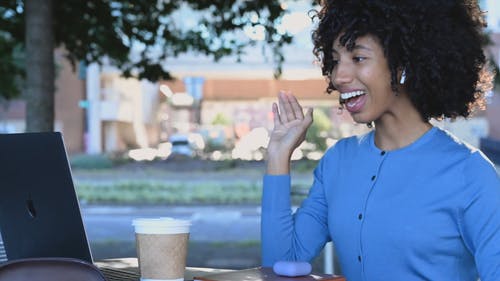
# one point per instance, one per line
(362, 77)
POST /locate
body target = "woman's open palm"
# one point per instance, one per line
(290, 125)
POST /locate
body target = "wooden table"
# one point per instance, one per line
(131, 264)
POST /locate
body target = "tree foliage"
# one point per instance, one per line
(319, 129)
(93, 30)
(11, 48)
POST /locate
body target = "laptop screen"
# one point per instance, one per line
(39, 210)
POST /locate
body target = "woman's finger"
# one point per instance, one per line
(287, 105)
(297, 109)
(308, 118)
(282, 101)
(276, 115)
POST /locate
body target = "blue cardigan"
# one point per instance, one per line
(428, 211)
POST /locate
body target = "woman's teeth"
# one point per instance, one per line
(348, 95)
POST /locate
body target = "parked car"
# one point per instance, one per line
(181, 145)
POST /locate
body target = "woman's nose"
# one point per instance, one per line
(341, 74)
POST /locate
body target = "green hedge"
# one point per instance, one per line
(174, 193)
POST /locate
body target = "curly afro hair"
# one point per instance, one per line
(437, 42)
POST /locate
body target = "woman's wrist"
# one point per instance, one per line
(278, 165)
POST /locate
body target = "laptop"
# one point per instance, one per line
(39, 210)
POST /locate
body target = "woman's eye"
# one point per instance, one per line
(359, 59)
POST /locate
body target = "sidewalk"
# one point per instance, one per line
(209, 223)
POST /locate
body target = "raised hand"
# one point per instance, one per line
(290, 127)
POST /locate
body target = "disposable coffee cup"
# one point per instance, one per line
(161, 248)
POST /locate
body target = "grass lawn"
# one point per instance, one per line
(186, 182)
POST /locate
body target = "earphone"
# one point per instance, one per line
(403, 77)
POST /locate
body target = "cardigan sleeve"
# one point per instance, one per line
(298, 236)
(480, 221)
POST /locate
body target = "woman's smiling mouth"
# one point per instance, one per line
(353, 101)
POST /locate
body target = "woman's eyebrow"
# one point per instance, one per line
(362, 47)
(356, 47)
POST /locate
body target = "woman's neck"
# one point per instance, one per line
(400, 129)
(397, 137)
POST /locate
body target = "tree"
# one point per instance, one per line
(92, 30)
(39, 39)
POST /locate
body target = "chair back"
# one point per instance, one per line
(49, 269)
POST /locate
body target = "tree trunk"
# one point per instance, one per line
(39, 66)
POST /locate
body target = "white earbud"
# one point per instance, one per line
(403, 77)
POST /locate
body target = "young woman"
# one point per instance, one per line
(406, 201)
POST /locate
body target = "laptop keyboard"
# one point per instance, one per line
(3, 255)
(113, 274)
